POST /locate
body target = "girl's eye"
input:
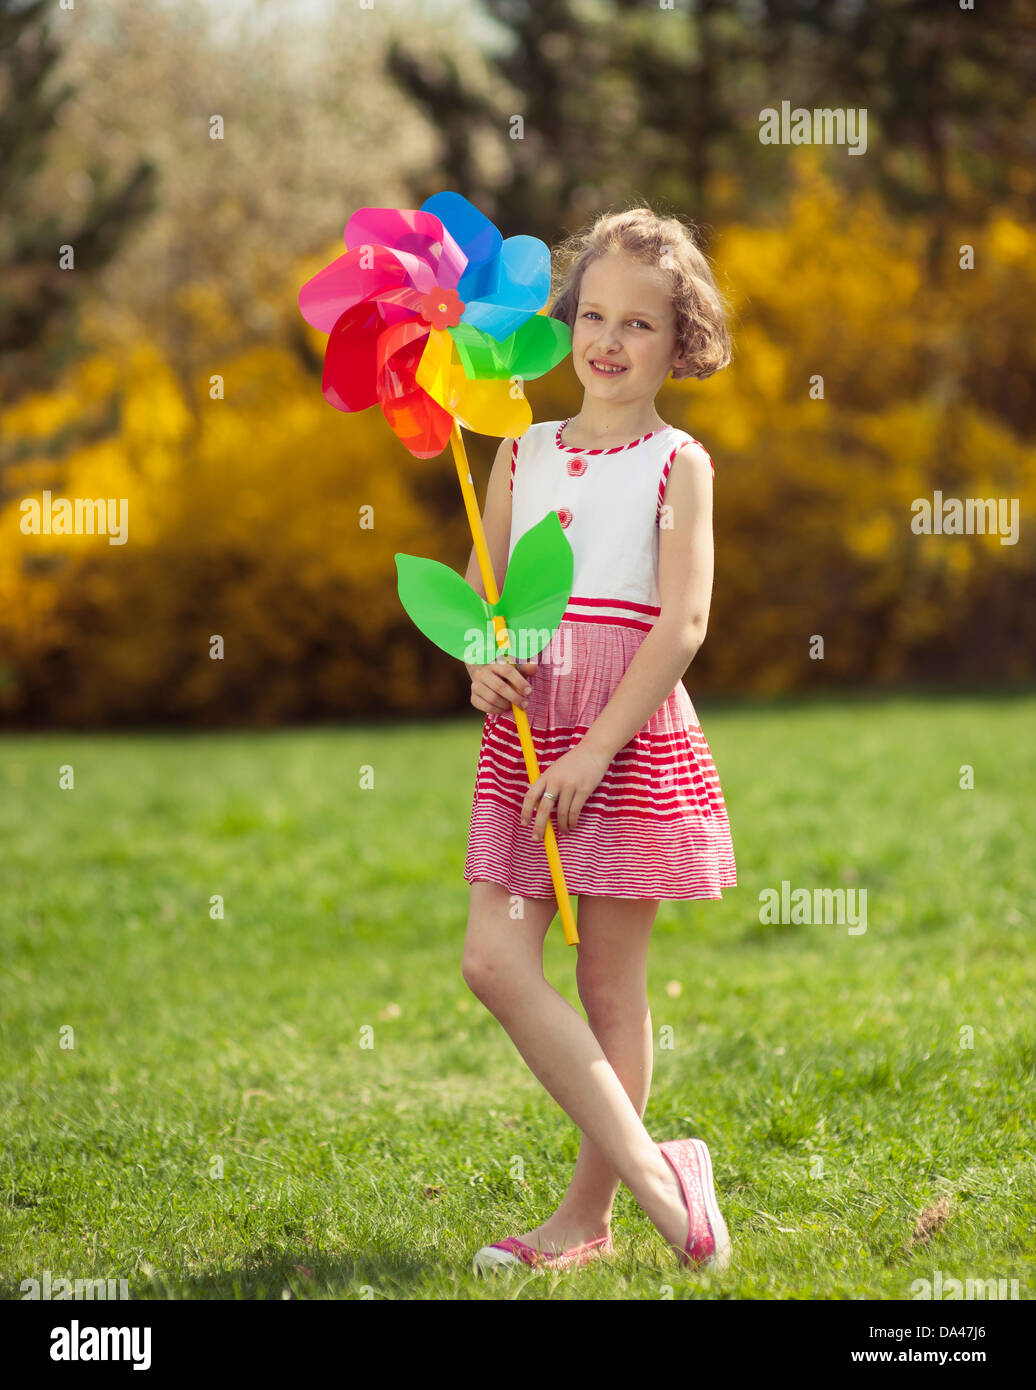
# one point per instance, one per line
(593, 314)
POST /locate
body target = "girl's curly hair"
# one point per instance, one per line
(671, 245)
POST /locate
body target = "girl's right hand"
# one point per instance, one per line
(499, 684)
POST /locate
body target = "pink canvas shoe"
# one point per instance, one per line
(708, 1241)
(507, 1254)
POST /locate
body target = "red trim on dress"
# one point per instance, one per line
(574, 449)
(669, 463)
(572, 613)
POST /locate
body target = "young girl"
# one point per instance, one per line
(640, 814)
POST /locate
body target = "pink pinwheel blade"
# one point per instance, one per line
(420, 242)
(399, 304)
(356, 275)
(422, 425)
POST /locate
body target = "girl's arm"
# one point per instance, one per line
(685, 574)
(496, 522)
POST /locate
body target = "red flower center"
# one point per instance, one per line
(441, 308)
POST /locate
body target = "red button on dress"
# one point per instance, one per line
(576, 467)
(564, 515)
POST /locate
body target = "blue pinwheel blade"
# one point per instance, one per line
(471, 230)
(522, 285)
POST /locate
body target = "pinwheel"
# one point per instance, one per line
(433, 316)
(437, 319)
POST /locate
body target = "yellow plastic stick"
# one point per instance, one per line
(521, 719)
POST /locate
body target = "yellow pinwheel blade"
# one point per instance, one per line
(487, 407)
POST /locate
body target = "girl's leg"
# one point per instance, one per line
(503, 966)
(611, 976)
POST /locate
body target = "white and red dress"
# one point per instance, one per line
(656, 824)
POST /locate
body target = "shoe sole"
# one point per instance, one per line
(720, 1259)
(489, 1258)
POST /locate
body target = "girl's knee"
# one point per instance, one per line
(490, 977)
(501, 951)
(609, 1002)
(477, 972)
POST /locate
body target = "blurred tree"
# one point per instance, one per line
(37, 297)
(264, 136)
(948, 91)
(629, 96)
(560, 120)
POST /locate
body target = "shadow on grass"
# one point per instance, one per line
(274, 1275)
(836, 697)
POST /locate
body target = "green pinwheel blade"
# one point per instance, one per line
(530, 351)
(537, 587)
(444, 606)
(540, 344)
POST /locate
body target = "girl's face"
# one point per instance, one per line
(624, 335)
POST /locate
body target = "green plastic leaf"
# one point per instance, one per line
(451, 614)
(443, 605)
(537, 586)
(530, 351)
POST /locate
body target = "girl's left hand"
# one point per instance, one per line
(572, 778)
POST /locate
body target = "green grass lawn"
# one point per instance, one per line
(219, 1131)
